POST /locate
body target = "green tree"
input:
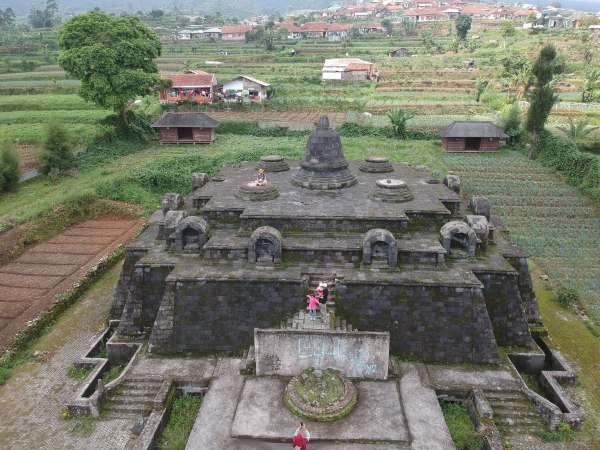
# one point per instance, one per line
(409, 27)
(586, 21)
(157, 14)
(268, 40)
(532, 18)
(540, 92)
(577, 131)
(57, 149)
(388, 26)
(508, 29)
(590, 86)
(427, 39)
(512, 121)
(398, 118)
(7, 19)
(112, 56)
(481, 85)
(462, 25)
(51, 13)
(10, 167)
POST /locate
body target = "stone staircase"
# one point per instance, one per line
(134, 397)
(514, 412)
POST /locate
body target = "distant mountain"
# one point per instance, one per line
(237, 8)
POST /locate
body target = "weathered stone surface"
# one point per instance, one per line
(199, 179)
(265, 245)
(481, 206)
(355, 354)
(479, 224)
(324, 165)
(391, 190)
(171, 201)
(190, 235)
(380, 244)
(273, 163)
(460, 233)
(376, 164)
(453, 182)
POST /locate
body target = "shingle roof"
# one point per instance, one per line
(203, 79)
(472, 130)
(185, 120)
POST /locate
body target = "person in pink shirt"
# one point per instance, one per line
(313, 304)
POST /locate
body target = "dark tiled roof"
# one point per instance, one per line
(472, 130)
(185, 120)
(199, 79)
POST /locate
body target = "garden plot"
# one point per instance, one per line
(28, 284)
(555, 223)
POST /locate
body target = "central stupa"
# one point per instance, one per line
(324, 165)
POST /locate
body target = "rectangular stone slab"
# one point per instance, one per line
(261, 414)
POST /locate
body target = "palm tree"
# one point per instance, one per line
(577, 131)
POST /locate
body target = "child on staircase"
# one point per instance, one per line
(313, 304)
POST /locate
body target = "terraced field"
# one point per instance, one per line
(554, 222)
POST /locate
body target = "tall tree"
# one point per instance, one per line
(112, 56)
(388, 26)
(541, 92)
(462, 25)
(51, 13)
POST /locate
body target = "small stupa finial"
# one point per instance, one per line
(324, 122)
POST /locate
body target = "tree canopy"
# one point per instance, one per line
(542, 96)
(112, 56)
(463, 25)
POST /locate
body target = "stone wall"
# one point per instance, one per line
(526, 288)
(435, 323)
(288, 352)
(143, 299)
(132, 256)
(220, 315)
(504, 305)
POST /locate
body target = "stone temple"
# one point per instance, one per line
(402, 253)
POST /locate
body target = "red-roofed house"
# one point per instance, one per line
(235, 32)
(195, 86)
(337, 31)
(314, 29)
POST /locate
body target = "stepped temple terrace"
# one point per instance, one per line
(401, 252)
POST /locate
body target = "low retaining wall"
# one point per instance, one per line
(355, 354)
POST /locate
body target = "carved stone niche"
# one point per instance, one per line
(380, 245)
(166, 231)
(171, 201)
(480, 226)
(459, 234)
(265, 246)
(190, 235)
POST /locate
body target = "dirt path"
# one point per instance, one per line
(29, 284)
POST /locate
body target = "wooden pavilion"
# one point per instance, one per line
(472, 137)
(186, 128)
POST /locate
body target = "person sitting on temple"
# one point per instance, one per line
(261, 178)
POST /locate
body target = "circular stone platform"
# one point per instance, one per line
(391, 191)
(273, 163)
(320, 395)
(376, 164)
(257, 193)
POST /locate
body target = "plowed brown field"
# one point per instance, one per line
(29, 284)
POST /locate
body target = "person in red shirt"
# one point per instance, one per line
(300, 442)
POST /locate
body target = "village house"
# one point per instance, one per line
(194, 86)
(235, 32)
(347, 69)
(186, 128)
(337, 31)
(314, 29)
(594, 30)
(245, 88)
(471, 137)
(212, 33)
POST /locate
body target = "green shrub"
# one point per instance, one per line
(563, 432)
(493, 100)
(57, 149)
(581, 169)
(567, 296)
(398, 117)
(10, 170)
